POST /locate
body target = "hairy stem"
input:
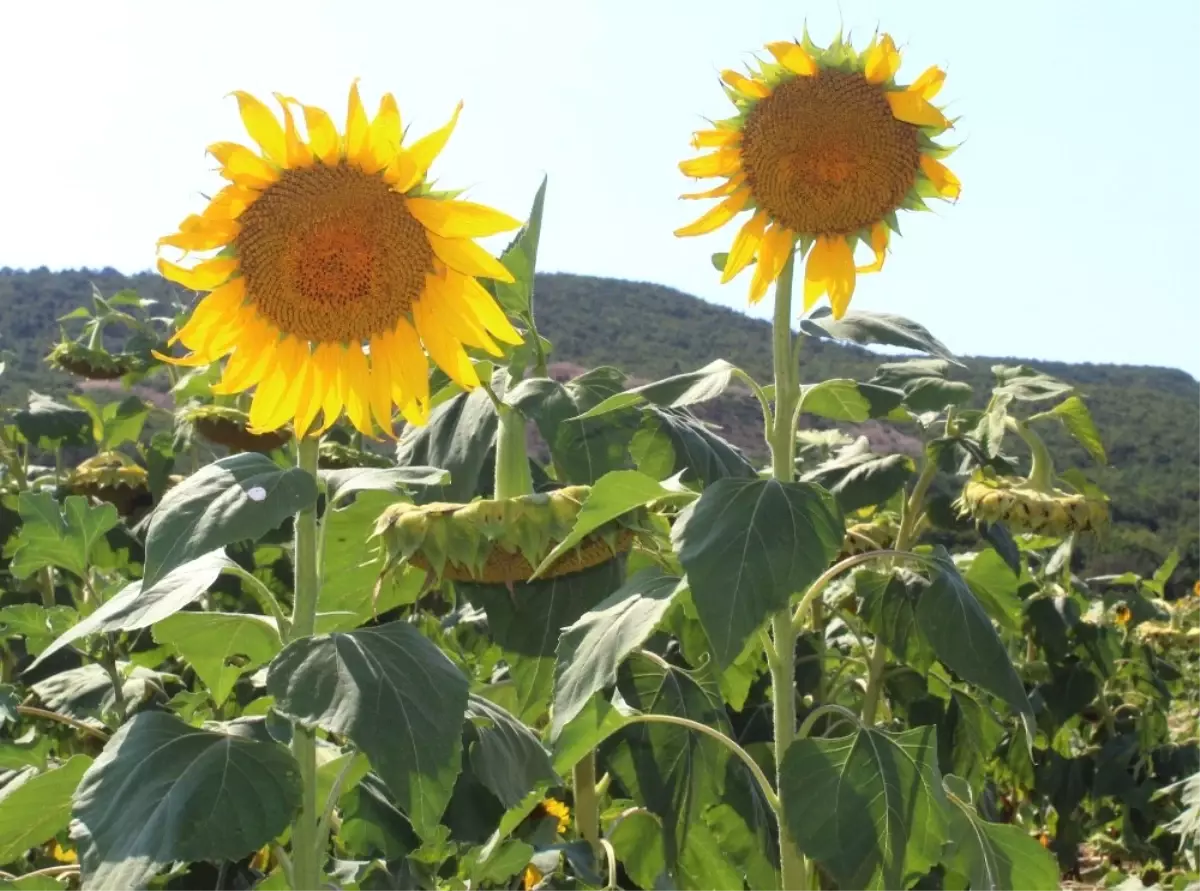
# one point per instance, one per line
(306, 846)
(512, 462)
(782, 440)
(587, 803)
(1041, 471)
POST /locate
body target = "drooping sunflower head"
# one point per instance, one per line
(825, 148)
(337, 269)
(1026, 508)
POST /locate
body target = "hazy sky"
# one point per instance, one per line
(1075, 239)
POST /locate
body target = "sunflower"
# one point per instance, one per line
(337, 268)
(824, 149)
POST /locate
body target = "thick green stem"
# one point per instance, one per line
(1041, 471)
(306, 847)
(587, 803)
(94, 339)
(909, 516)
(792, 868)
(512, 462)
(46, 577)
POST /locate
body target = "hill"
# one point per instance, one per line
(1148, 417)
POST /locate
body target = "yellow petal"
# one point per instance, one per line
(946, 183)
(322, 134)
(223, 150)
(793, 57)
(879, 243)
(229, 203)
(357, 388)
(716, 138)
(312, 396)
(193, 236)
(744, 246)
(428, 147)
(830, 270)
(912, 108)
(409, 368)
(929, 83)
(328, 357)
(773, 253)
(357, 128)
(401, 172)
(262, 126)
(251, 360)
(299, 154)
(723, 162)
(451, 309)
(726, 188)
(267, 411)
(459, 219)
(484, 307)
(243, 167)
(443, 348)
(381, 383)
(215, 307)
(202, 277)
(883, 61)
(717, 216)
(384, 136)
(745, 85)
(467, 257)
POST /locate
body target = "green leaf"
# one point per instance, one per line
(526, 621)
(975, 733)
(1074, 414)
(881, 817)
(38, 625)
(352, 561)
(139, 607)
(924, 384)
(613, 495)
(1158, 582)
(876, 328)
(123, 421)
(889, 607)
(994, 583)
(597, 722)
(86, 692)
(639, 843)
(963, 637)
(591, 650)
(457, 438)
(9, 700)
(1028, 385)
(53, 537)
(49, 424)
(151, 796)
(221, 647)
(520, 258)
(747, 546)
(841, 399)
(504, 754)
(38, 807)
(994, 855)
(341, 484)
(702, 455)
(857, 477)
(674, 772)
(393, 693)
(676, 391)
(234, 499)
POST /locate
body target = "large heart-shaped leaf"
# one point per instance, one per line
(703, 862)
(163, 791)
(38, 625)
(49, 424)
(747, 546)
(341, 484)
(963, 637)
(676, 391)
(702, 455)
(924, 383)
(52, 537)
(458, 438)
(504, 754)
(858, 478)
(881, 818)
(392, 692)
(889, 604)
(36, 806)
(86, 692)
(137, 606)
(236, 498)
(591, 649)
(841, 399)
(881, 328)
(221, 647)
(1074, 414)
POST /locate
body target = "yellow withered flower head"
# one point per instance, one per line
(825, 147)
(338, 268)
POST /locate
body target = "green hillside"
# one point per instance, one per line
(1149, 417)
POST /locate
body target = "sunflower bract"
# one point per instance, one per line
(825, 147)
(337, 270)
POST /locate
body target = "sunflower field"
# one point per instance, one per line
(377, 602)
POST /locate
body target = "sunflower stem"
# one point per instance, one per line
(793, 869)
(1041, 470)
(587, 802)
(513, 478)
(306, 847)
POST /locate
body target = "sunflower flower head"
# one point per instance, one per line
(333, 268)
(824, 149)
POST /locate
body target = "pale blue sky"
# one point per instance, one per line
(1075, 239)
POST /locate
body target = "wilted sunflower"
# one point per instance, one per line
(824, 149)
(338, 268)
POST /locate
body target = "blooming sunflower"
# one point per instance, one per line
(338, 268)
(824, 149)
